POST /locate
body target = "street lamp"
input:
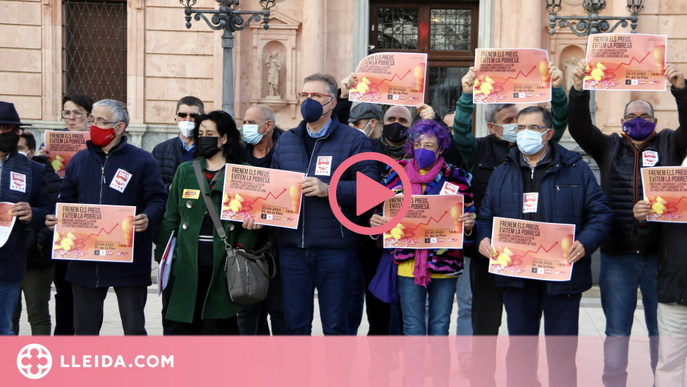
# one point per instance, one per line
(593, 24)
(229, 19)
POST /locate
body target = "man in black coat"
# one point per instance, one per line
(626, 266)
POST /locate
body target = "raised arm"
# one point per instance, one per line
(580, 125)
(559, 103)
(462, 122)
(676, 76)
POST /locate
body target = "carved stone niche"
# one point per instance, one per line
(280, 37)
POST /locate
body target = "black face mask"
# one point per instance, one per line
(207, 146)
(8, 142)
(395, 132)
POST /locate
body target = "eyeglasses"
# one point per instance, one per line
(11, 128)
(319, 96)
(645, 117)
(100, 124)
(536, 128)
(184, 115)
(74, 113)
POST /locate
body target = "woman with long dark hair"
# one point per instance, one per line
(199, 285)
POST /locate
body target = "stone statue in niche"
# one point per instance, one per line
(273, 67)
(568, 67)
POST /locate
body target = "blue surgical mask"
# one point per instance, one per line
(311, 110)
(530, 142)
(508, 132)
(251, 135)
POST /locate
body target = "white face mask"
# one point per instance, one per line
(186, 128)
(24, 153)
(365, 128)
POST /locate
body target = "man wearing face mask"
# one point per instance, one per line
(21, 183)
(565, 191)
(320, 252)
(260, 132)
(90, 179)
(171, 153)
(482, 156)
(624, 265)
(367, 118)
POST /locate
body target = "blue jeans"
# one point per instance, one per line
(355, 308)
(464, 297)
(328, 270)
(413, 297)
(621, 275)
(9, 298)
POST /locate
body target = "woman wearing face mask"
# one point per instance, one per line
(199, 289)
(429, 271)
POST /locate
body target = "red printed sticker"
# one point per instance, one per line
(531, 200)
(649, 158)
(324, 166)
(18, 182)
(120, 180)
(449, 189)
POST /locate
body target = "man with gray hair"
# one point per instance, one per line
(320, 252)
(90, 179)
(482, 156)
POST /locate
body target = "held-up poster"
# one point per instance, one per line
(626, 62)
(665, 188)
(269, 196)
(534, 250)
(62, 146)
(7, 220)
(512, 76)
(432, 222)
(93, 232)
(391, 78)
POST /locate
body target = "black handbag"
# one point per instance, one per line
(248, 276)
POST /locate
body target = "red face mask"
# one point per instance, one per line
(102, 137)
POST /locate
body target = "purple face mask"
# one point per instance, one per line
(639, 129)
(424, 157)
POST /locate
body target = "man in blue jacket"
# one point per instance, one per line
(89, 180)
(21, 183)
(319, 254)
(567, 193)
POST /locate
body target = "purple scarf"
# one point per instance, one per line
(421, 272)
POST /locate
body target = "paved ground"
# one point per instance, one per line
(592, 320)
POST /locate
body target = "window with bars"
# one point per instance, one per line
(94, 48)
(445, 30)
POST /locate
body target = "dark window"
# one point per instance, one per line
(95, 49)
(445, 30)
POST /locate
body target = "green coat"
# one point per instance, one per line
(185, 216)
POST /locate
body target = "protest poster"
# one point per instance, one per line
(391, 78)
(628, 62)
(94, 232)
(665, 188)
(62, 146)
(6, 221)
(269, 196)
(433, 222)
(533, 250)
(511, 76)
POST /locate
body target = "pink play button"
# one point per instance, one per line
(369, 193)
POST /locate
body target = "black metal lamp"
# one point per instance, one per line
(553, 6)
(635, 6)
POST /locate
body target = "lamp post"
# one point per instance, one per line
(229, 19)
(593, 24)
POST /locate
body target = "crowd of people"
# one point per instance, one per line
(519, 155)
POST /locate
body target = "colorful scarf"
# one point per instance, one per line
(421, 271)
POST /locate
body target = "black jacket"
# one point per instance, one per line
(169, 155)
(620, 163)
(669, 238)
(36, 257)
(491, 152)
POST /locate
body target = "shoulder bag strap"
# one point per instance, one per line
(208, 203)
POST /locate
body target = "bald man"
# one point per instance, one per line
(624, 265)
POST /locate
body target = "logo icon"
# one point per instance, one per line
(34, 361)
